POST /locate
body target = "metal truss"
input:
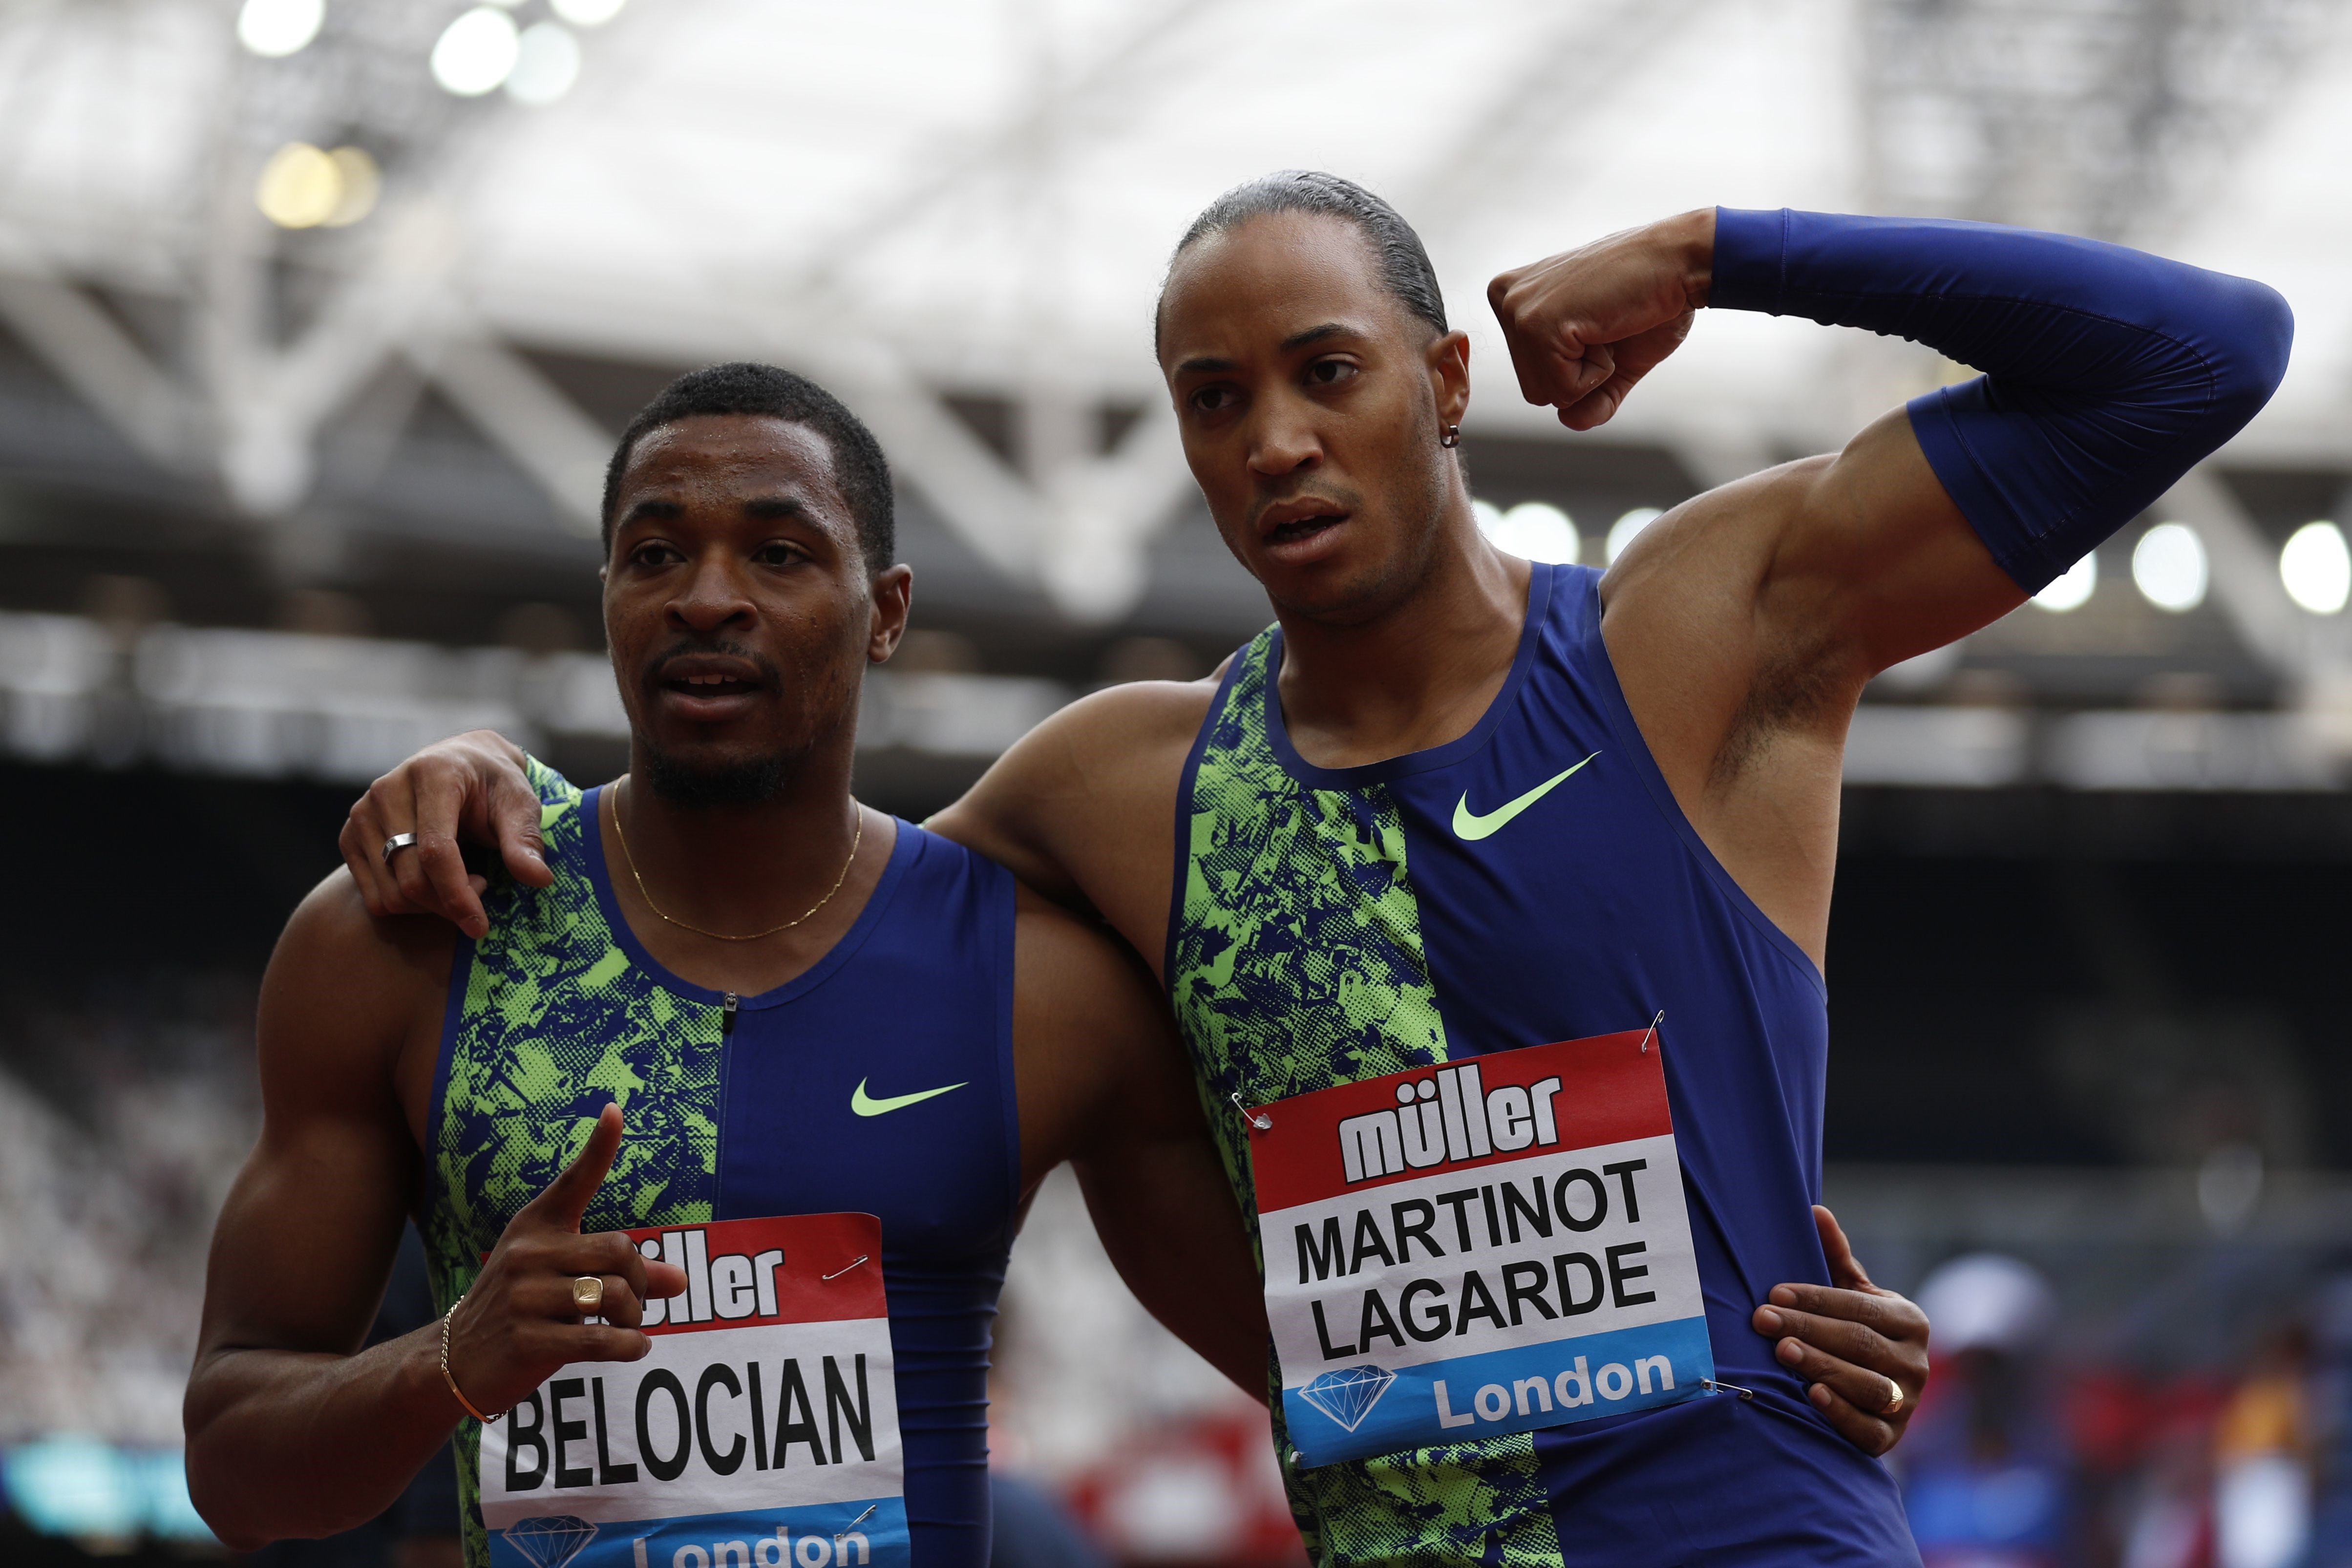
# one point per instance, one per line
(2115, 118)
(2105, 118)
(279, 332)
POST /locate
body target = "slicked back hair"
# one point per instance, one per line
(1403, 263)
(859, 470)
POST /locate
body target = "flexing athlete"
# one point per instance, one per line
(1455, 806)
(800, 1006)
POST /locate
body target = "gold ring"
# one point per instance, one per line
(1895, 1396)
(588, 1293)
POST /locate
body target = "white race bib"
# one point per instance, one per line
(1488, 1247)
(762, 1432)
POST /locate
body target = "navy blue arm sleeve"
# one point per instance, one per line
(2108, 372)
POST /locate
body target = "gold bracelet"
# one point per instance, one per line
(450, 1378)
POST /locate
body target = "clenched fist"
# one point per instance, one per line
(1584, 326)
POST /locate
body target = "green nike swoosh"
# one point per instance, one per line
(1469, 825)
(865, 1104)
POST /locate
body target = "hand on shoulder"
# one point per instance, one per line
(1079, 807)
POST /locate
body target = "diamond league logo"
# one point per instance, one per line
(1348, 1393)
(551, 1542)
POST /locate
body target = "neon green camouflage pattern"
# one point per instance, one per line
(1295, 964)
(555, 1021)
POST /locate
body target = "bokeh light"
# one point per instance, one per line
(2073, 587)
(2170, 568)
(1537, 533)
(2316, 569)
(587, 13)
(276, 28)
(547, 62)
(1622, 531)
(477, 52)
(302, 187)
(299, 186)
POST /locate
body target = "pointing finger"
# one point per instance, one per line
(567, 1197)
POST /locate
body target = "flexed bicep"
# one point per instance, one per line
(2108, 372)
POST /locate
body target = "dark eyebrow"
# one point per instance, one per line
(1316, 335)
(1295, 341)
(650, 507)
(777, 506)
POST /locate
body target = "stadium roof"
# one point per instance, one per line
(917, 198)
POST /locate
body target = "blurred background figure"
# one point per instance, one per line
(1986, 1467)
(2263, 1459)
(318, 320)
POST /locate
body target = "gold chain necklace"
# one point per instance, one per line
(856, 839)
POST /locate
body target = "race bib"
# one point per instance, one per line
(1488, 1247)
(762, 1432)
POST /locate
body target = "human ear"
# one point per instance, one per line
(1448, 358)
(894, 598)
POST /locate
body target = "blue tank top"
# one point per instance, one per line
(1332, 924)
(559, 1008)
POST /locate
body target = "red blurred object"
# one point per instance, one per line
(1200, 1492)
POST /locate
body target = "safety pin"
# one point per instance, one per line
(1653, 1031)
(1262, 1121)
(1714, 1387)
(827, 1278)
(853, 1524)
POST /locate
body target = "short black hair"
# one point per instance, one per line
(1403, 261)
(859, 468)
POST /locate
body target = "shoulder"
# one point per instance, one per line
(1111, 725)
(1093, 774)
(332, 933)
(346, 987)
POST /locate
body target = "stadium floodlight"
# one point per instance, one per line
(475, 52)
(1489, 516)
(2316, 569)
(547, 62)
(276, 28)
(300, 186)
(1621, 531)
(1537, 533)
(588, 13)
(2073, 589)
(303, 187)
(2168, 566)
(360, 183)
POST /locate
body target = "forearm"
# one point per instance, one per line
(2109, 373)
(288, 1443)
(1167, 1222)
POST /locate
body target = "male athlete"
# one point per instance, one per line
(1455, 806)
(800, 1005)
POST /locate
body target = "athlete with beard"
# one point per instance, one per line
(801, 1005)
(1454, 805)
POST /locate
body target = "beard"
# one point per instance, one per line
(751, 781)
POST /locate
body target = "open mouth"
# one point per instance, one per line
(710, 685)
(1303, 528)
(1287, 524)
